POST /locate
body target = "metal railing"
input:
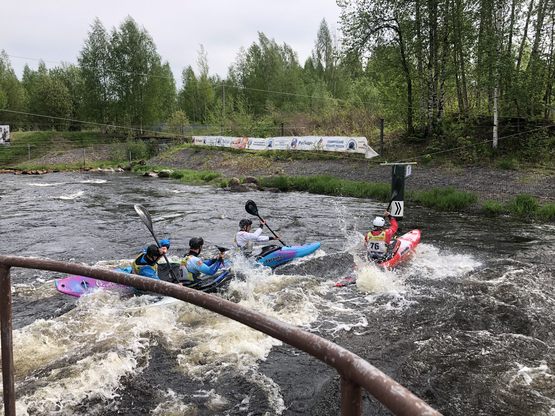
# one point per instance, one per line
(355, 372)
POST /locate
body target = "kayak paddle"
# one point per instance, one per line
(147, 220)
(251, 208)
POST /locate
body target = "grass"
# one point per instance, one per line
(328, 185)
(64, 166)
(493, 208)
(194, 177)
(35, 144)
(522, 206)
(445, 199)
(546, 212)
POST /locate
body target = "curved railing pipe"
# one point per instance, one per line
(355, 372)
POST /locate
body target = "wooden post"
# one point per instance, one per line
(381, 136)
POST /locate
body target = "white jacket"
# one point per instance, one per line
(246, 240)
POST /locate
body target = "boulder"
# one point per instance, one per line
(251, 179)
(164, 173)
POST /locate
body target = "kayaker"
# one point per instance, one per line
(380, 241)
(193, 265)
(146, 264)
(245, 240)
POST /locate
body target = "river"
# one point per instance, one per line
(467, 325)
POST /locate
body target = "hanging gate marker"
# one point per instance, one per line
(399, 172)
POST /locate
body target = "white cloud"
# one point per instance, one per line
(55, 30)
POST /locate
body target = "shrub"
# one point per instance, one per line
(546, 212)
(523, 206)
(130, 150)
(507, 164)
(493, 208)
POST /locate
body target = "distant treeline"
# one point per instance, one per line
(426, 67)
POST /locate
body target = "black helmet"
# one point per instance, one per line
(152, 251)
(244, 222)
(196, 242)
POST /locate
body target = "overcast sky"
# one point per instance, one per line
(55, 30)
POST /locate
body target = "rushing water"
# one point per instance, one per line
(467, 325)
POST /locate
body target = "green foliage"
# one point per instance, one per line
(39, 143)
(445, 199)
(546, 212)
(178, 123)
(328, 185)
(184, 175)
(131, 150)
(523, 206)
(493, 208)
(507, 164)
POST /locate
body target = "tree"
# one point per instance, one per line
(12, 93)
(370, 23)
(269, 75)
(95, 65)
(133, 62)
(70, 76)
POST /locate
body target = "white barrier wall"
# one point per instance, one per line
(324, 143)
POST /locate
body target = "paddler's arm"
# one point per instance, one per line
(394, 226)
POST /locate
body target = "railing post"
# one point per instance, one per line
(6, 342)
(351, 398)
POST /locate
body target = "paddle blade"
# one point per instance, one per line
(144, 215)
(251, 208)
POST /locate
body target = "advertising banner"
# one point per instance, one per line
(4, 134)
(321, 143)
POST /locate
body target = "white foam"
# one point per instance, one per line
(97, 181)
(72, 196)
(432, 263)
(44, 185)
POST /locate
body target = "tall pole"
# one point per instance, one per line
(381, 136)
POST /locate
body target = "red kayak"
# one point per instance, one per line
(406, 245)
(405, 248)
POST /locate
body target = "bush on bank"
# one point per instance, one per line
(523, 207)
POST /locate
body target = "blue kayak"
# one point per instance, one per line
(274, 256)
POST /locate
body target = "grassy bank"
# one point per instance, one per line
(442, 199)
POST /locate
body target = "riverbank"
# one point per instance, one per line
(524, 192)
(486, 182)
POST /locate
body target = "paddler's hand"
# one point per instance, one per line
(262, 223)
(387, 213)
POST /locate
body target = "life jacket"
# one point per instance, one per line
(186, 274)
(377, 244)
(142, 262)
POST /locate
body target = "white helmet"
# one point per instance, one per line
(378, 222)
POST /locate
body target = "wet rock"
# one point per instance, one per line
(150, 174)
(164, 173)
(239, 188)
(251, 179)
(34, 172)
(251, 186)
(234, 182)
